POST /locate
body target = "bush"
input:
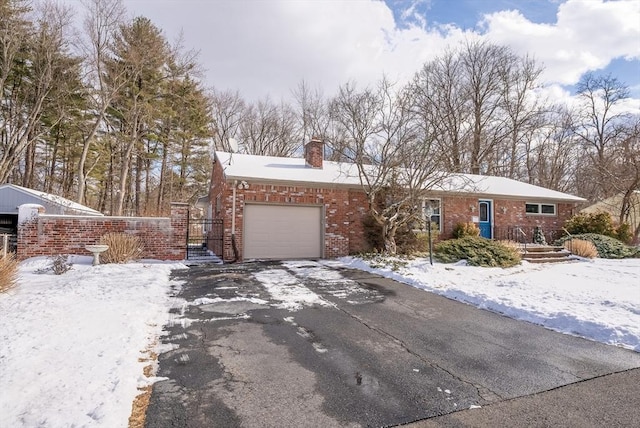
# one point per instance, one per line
(373, 233)
(412, 242)
(599, 223)
(538, 236)
(582, 248)
(477, 251)
(408, 241)
(460, 230)
(624, 233)
(60, 264)
(8, 272)
(608, 247)
(123, 248)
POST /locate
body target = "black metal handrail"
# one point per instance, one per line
(525, 234)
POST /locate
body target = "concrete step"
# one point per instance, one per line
(545, 254)
(542, 248)
(549, 260)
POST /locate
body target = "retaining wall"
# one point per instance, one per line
(40, 234)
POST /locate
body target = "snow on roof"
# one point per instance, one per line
(502, 186)
(239, 166)
(271, 168)
(54, 199)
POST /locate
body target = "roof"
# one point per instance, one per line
(53, 199)
(613, 206)
(245, 167)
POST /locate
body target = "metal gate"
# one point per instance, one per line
(205, 238)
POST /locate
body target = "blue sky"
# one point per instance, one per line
(469, 15)
(267, 47)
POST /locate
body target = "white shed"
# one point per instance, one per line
(12, 196)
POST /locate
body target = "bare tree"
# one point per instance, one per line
(101, 24)
(228, 110)
(480, 101)
(269, 129)
(626, 174)
(440, 95)
(524, 115)
(599, 127)
(551, 157)
(313, 114)
(485, 66)
(396, 162)
(30, 58)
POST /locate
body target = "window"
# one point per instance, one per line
(540, 209)
(432, 207)
(484, 211)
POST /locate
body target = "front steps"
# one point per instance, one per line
(544, 254)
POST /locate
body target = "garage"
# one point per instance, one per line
(282, 231)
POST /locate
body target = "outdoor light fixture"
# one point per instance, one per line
(503, 209)
(472, 208)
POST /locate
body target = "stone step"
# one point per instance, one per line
(550, 260)
(546, 254)
(541, 249)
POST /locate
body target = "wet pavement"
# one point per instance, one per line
(304, 344)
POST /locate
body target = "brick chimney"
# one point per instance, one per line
(314, 153)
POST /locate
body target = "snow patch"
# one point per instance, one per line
(286, 288)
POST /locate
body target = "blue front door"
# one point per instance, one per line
(484, 221)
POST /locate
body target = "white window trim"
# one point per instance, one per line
(540, 204)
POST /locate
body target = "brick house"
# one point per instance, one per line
(276, 208)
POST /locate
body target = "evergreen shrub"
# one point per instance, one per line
(477, 251)
(608, 247)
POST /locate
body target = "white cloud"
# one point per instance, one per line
(265, 48)
(268, 47)
(587, 36)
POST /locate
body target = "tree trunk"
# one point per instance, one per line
(389, 236)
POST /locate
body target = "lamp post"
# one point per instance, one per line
(429, 212)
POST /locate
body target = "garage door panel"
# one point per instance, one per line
(282, 231)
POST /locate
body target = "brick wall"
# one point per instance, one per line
(48, 235)
(343, 209)
(507, 213)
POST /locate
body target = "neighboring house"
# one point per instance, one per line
(12, 196)
(613, 206)
(276, 208)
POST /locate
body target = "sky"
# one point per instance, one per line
(82, 365)
(268, 47)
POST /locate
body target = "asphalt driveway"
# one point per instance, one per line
(297, 344)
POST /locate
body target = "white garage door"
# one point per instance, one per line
(281, 232)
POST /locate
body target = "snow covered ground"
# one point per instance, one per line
(70, 344)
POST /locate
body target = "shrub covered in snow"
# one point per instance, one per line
(477, 251)
(608, 248)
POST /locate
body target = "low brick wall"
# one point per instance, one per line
(164, 238)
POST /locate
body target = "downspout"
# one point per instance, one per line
(233, 223)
